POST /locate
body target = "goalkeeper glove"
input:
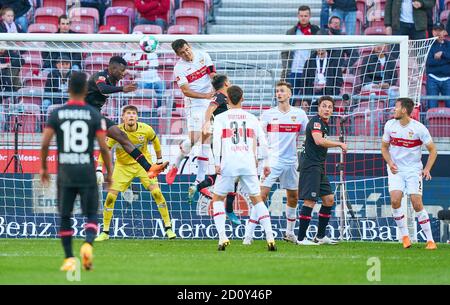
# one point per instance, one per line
(159, 161)
(99, 174)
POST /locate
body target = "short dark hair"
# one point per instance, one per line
(117, 60)
(63, 17)
(5, 9)
(406, 103)
(129, 107)
(77, 82)
(334, 17)
(325, 98)
(178, 44)
(283, 83)
(304, 8)
(235, 94)
(218, 81)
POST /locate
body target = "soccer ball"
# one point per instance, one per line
(148, 44)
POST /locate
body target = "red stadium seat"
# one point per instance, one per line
(182, 30)
(439, 122)
(360, 22)
(198, 4)
(375, 30)
(48, 15)
(54, 3)
(125, 3)
(113, 29)
(34, 81)
(42, 28)
(87, 15)
(120, 16)
(81, 28)
(190, 16)
(29, 95)
(94, 64)
(29, 117)
(32, 64)
(168, 61)
(148, 29)
(362, 124)
(361, 7)
(177, 126)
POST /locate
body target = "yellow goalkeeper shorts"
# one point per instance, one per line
(123, 175)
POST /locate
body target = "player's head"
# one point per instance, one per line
(326, 106)
(236, 95)
(117, 67)
(64, 24)
(283, 91)
(77, 86)
(129, 115)
(182, 48)
(220, 81)
(304, 14)
(404, 106)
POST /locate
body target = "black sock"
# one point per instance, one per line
(206, 183)
(167, 228)
(229, 202)
(140, 158)
(305, 218)
(106, 232)
(66, 240)
(91, 231)
(324, 218)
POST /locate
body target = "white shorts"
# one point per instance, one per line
(408, 182)
(249, 184)
(287, 174)
(195, 118)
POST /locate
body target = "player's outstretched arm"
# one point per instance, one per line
(321, 141)
(208, 114)
(106, 155)
(431, 147)
(188, 92)
(46, 138)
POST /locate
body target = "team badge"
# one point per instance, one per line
(317, 125)
(141, 138)
(101, 78)
(410, 134)
(294, 118)
(202, 61)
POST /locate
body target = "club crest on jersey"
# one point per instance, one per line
(410, 134)
(293, 118)
(141, 138)
(101, 78)
(202, 61)
(317, 125)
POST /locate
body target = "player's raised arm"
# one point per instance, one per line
(156, 145)
(117, 69)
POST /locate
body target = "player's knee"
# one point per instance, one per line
(157, 195)
(110, 200)
(186, 146)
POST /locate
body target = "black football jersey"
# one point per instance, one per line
(76, 125)
(94, 97)
(313, 154)
(220, 100)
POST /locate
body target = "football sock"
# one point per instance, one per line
(251, 224)
(203, 162)
(264, 219)
(400, 220)
(424, 222)
(305, 218)
(108, 211)
(66, 233)
(324, 218)
(162, 206)
(229, 202)
(219, 218)
(291, 217)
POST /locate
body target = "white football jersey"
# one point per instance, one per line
(282, 131)
(236, 135)
(196, 74)
(406, 143)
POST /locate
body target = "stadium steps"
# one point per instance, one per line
(268, 4)
(262, 12)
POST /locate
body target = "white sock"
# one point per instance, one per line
(400, 220)
(424, 222)
(203, 162)
(264, 220)
(219, 218)
(291, 217)
(251, 224)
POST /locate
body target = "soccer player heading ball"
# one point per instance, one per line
(76, 125)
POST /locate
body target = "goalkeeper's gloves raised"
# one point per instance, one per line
(159, 161)
(99, 174)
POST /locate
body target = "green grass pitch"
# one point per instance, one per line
(199, 262)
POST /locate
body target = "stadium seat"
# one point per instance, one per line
(167, 76)
(34, 81)
(361, 7)
(81, 28)
(87, 15)
(362, 122)
(28, 115)
(198, 4)
(439, 122)
(120, 16)
(30, 95)
(42, 28)
(182, 30)
(125, 3)
(360, 23)
(94, 64)
(32, 63)
(148, 29)
(168, 61)
(190, 16)
(177, 126)
(112, 29)
(375, 30)
(54, 3)
(48, 15)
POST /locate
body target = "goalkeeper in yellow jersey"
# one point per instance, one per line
(126, 169)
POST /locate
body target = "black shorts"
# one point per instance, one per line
(313, 183)
(88, 199)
